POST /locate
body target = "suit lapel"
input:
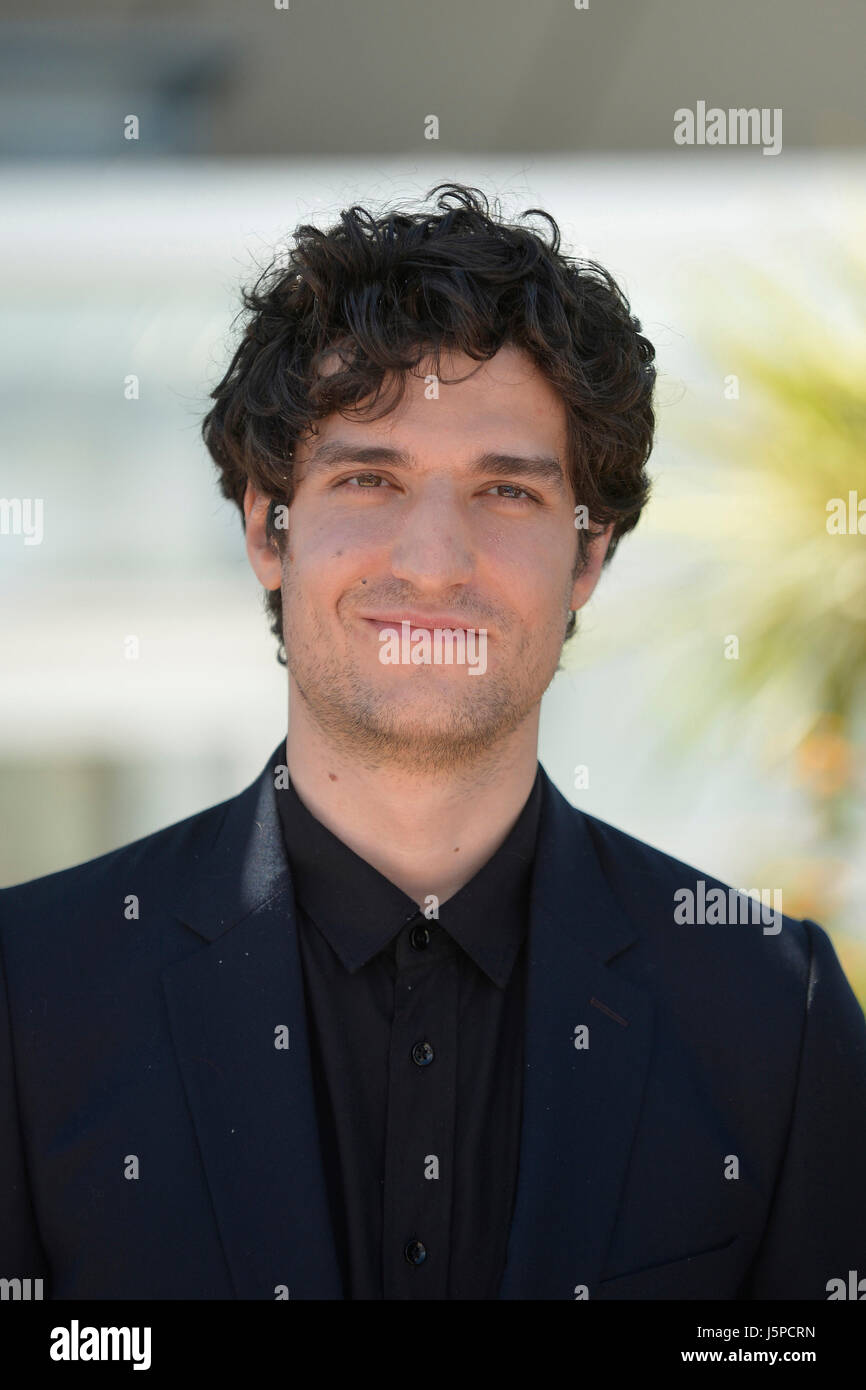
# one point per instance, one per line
(252, 1103)
(580, 1106)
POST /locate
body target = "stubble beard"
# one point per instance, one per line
(454, 726)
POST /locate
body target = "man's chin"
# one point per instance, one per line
(428, 730)
(407, 722)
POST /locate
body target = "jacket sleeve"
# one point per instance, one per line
(816, 1230)
(21, 1252)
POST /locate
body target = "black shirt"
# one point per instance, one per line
(416, 1030)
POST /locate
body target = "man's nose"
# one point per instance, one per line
(433, 548)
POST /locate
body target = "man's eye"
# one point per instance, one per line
(371, 482)
(364, 479)
(512, 487)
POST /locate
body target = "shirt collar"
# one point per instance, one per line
(359, 911)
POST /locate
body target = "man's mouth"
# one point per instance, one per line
(420, 639)
(418, 623)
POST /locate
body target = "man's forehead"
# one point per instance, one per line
(511, 410)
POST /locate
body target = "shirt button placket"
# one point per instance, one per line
(421, 1105)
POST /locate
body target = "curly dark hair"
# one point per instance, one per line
(389, 291)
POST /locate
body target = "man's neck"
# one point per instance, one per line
(427, 834)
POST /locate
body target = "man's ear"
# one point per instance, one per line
(588, 578)
(263, 553)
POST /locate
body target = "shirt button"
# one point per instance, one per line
(419, 937)
(415, 1252)
(422, 1054)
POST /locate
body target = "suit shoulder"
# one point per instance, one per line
(617, 848)
(162, 857)
(689, 909)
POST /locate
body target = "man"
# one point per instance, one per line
(398, 1022)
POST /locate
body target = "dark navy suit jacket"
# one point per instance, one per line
(709, 1141)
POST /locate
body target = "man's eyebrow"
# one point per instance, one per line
(543, 467)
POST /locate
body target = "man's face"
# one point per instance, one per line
(412, 517)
